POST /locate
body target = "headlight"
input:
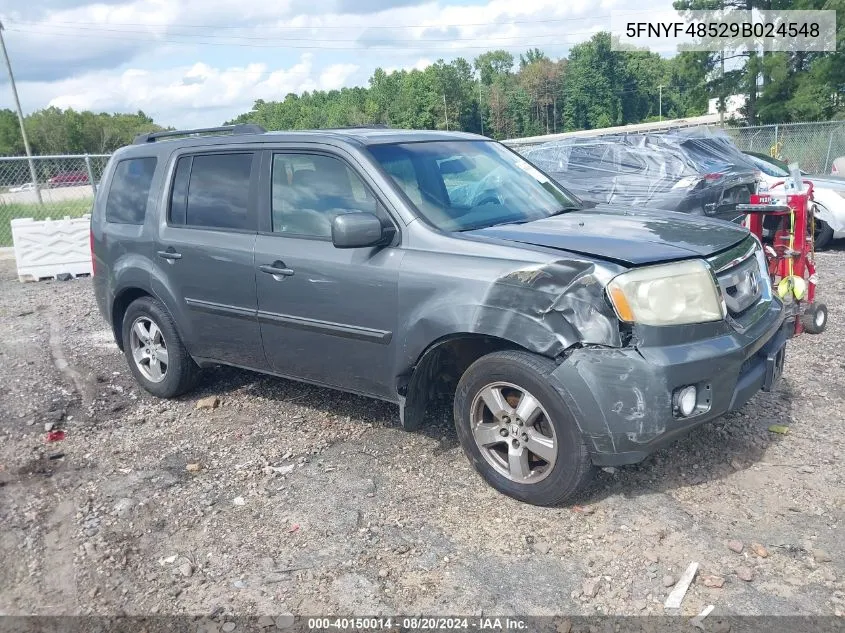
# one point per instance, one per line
(668, 294)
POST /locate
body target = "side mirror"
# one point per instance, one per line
(359, 229)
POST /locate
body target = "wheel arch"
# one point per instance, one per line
(122, 301)
(124, 298)
(439, 367)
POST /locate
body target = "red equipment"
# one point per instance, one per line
(786, 231)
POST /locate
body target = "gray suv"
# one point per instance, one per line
(402, 265)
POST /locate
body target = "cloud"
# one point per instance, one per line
(350, 7)
(34, 57)
(27, 9)
(186, 61)
(105, 34)
(373, 6)
(189, 95)
(420, 64)
(336, 76)
(468, 30)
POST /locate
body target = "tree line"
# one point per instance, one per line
(53, 131)
(593, 87)
(503, 96)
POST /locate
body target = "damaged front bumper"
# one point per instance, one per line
(622, 399)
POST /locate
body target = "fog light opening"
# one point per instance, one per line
(686, 399)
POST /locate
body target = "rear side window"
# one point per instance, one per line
(130, 191)
(212, 191)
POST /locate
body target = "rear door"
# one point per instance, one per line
(327, 315)
(205, 249)
(119, 239)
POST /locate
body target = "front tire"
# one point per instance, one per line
(156, 355)
(517, 431)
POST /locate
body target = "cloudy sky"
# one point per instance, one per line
(200, 62)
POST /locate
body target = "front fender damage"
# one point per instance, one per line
(549, 309)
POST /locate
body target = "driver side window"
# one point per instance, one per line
(309, 190)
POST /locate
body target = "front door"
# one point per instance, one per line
(327, 315)
(206, 252)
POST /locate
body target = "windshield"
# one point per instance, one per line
(769, 167)
(464, 185)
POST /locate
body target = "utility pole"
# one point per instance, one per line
(722, 79)
(481, 106)
(20, 117)
(660, 102)
(722, 104)
(446, 111)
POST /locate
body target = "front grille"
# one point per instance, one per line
(742, 285)
(740, 277)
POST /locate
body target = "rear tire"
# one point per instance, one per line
(823, 235)
(156, 355)
(501, 444)
(814, 318)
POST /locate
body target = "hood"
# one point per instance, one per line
(624, 235)
(837, 183)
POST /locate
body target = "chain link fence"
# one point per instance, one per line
(62, 186)
(814, 146)
(65, 185)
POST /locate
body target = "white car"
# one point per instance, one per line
(828, 196)
(24, 187)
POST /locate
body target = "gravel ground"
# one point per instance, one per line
(288, 498)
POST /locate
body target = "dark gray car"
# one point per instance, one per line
(404, 264)
(696, 171)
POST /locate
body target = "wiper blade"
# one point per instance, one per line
(476, 227)
(563, 210)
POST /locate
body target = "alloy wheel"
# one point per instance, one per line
(149, 351)
(513, 432)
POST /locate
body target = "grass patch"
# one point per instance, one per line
(54, 210)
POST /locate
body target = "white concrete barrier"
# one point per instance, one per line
(45, 249)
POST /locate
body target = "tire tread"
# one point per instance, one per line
(809, 322)
(824, 236)
(186, 369)
(543, 367)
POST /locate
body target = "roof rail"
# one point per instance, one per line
(241, 128)
(365, 126)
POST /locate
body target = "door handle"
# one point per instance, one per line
(277, 269)
(171, 255)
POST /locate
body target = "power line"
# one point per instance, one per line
(67, 30)
(363, 47)
(275, 27)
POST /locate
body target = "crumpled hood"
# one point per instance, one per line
(624, 235)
